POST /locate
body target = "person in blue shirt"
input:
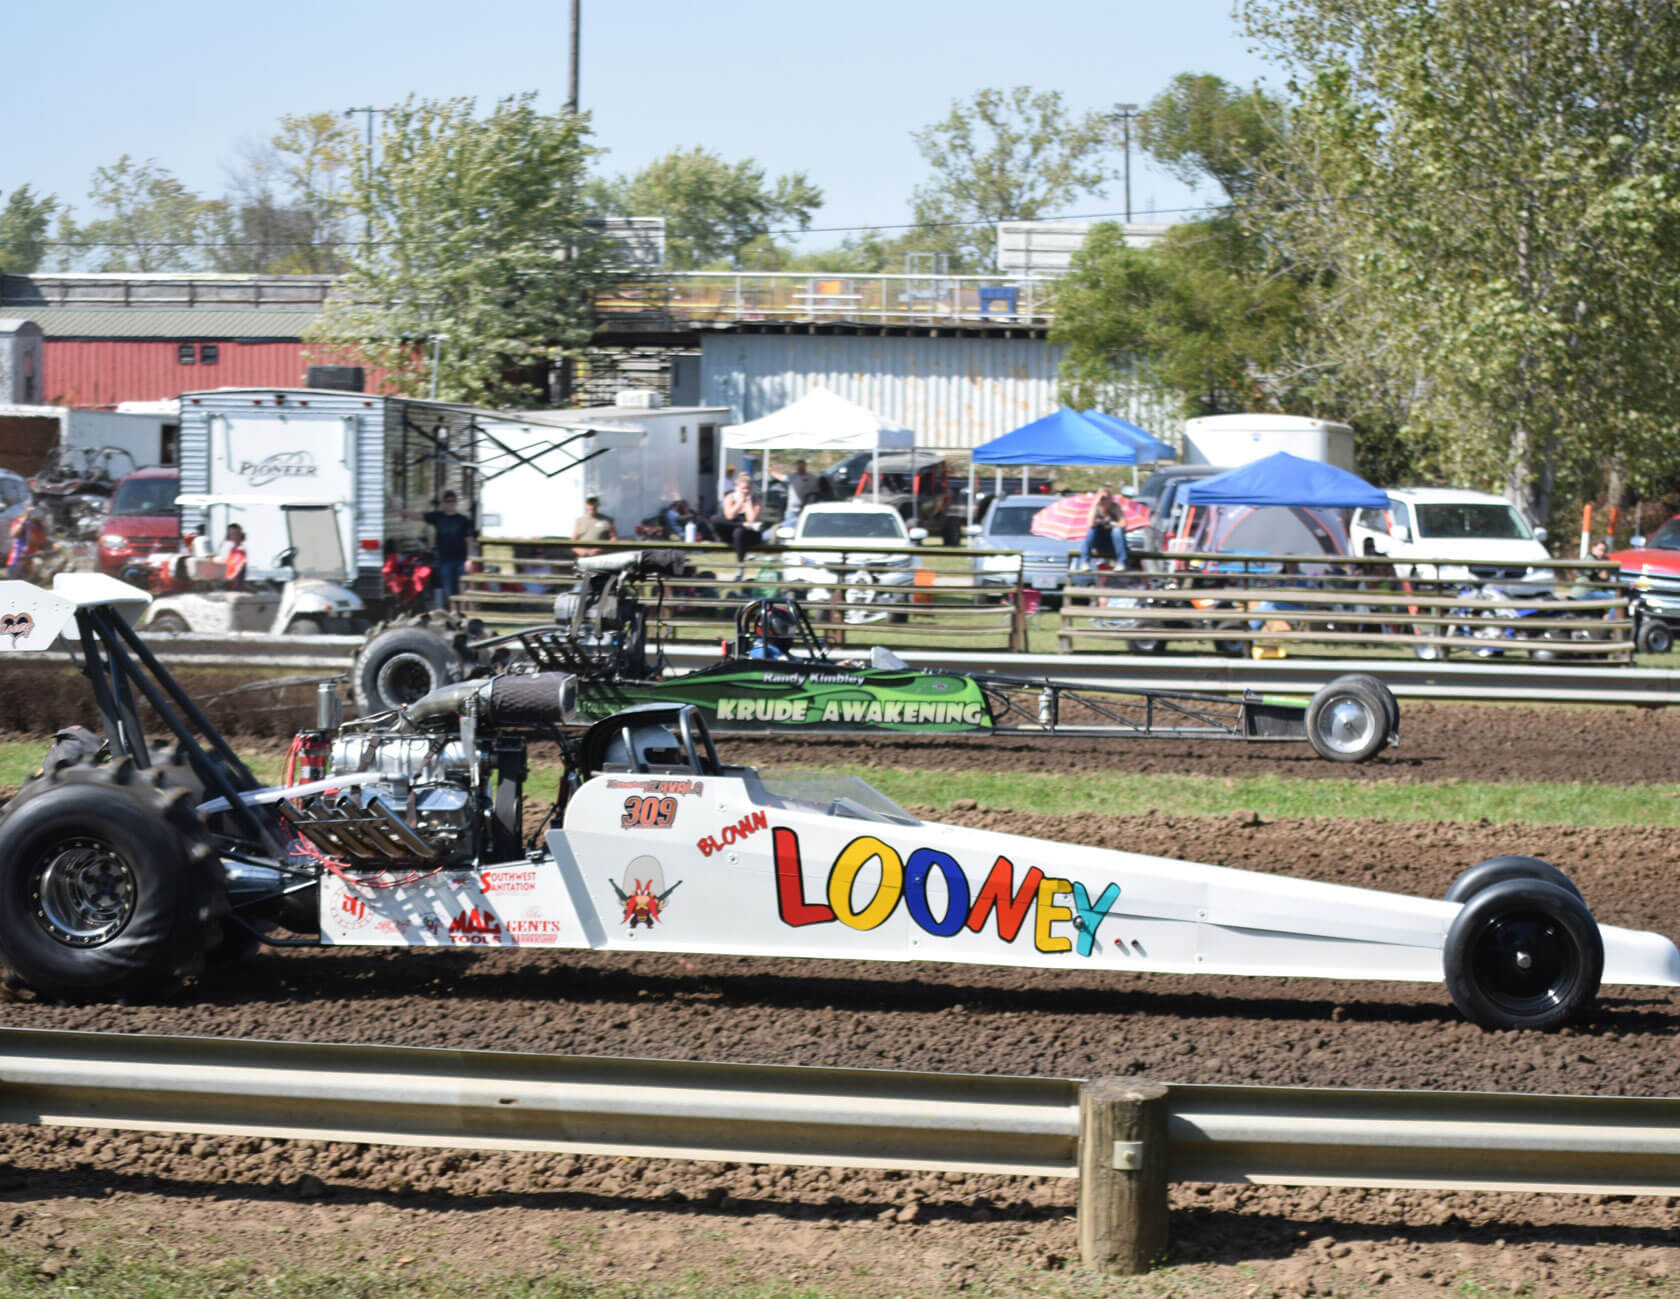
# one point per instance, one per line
(1105, 519)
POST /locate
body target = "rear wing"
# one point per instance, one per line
(32, 618)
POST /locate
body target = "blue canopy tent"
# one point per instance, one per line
(1283, 479)
(1147, 445)
(1063, 437)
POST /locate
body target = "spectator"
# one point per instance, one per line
(742, 518)
(1104, 520)
(29, 538)
(234, 557)
(452, 537)
(803, 488)
(679, 516)
(592, 525)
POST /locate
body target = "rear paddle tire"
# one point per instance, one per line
(107, 885)
(1523, 953)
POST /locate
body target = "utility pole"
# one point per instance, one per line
(1123, 113)
(367, 221)
(572, 82)
(437, 341)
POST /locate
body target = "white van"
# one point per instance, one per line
(1486, 533)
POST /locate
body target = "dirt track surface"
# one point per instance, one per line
(1438, 742)
(910, 1233)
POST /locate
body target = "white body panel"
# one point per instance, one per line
(140, 435)
(1233, 440)
(280, 456)
(736, 868)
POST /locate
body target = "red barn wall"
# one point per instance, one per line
(102, 372)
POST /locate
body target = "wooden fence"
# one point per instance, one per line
(1253, 604)
(867, 594)
(932, 596)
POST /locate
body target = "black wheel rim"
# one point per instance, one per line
(83, 892)
(1525, 963)
(404, 678)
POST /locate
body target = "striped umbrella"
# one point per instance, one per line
(1067, 518)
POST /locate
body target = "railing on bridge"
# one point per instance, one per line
(730, 296)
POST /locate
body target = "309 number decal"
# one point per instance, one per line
(648, 813)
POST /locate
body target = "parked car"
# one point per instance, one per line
(826, 533)
(1650, 568)
(918, 484)
(141, 520)
(1008, 527)
(1486, 533)
(1161, 493)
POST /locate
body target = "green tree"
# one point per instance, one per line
(152, 221)
(1004, 155)
(715, 212)
(1490, 194)
(1202, 127)
(1197, 317)
(477, 232)
(23, 230)
(285, 209)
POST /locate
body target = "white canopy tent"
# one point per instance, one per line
(821, 420)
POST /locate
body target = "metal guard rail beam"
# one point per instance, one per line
(843, 1117)
(1410, 678)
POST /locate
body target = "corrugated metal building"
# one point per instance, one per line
(954, 391)
(98, 356)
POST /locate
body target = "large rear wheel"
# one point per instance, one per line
(107, 884)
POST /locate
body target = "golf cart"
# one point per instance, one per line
(305, 593)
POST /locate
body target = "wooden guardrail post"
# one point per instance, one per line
(1122, 1175)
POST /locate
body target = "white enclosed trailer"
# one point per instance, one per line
(30, 434)
(386, 458)
(538, 467)
(1232, 440)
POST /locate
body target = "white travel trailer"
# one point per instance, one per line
(1232, 440)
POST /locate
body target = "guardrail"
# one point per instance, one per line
(1125, 1139)
(1575, 683)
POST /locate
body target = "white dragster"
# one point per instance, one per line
(662, 848)
(122, 868)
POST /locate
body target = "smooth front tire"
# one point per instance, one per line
(1347, 720)
(1523, 954)
(1511, 866)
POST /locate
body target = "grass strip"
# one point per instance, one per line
(1540, 803)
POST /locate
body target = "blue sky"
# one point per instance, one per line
(834, 90)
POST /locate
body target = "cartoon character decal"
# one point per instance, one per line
(643, 893)
(16, 625)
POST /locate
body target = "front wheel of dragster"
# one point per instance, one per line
(1347, 720)
(107, 885)
(1391, 705)
(1512, 866)
(1523, 954)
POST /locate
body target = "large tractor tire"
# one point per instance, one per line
(404, 659)
(109, 885)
